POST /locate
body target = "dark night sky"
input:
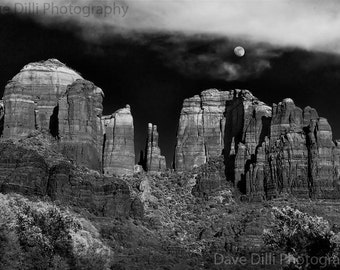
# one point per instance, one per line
(140, 74)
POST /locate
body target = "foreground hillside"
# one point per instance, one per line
(178, 234)
(165, 222)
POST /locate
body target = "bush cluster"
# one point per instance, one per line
(40, 236)
(307, 241)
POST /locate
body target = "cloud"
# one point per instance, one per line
(213, 57)
(312, 24)
(198, 36)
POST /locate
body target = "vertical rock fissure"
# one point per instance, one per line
(54, 123)
(233, 130)
(309, 145)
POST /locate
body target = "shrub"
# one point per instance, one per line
(44, 235)
(41, 236)
(306, 241)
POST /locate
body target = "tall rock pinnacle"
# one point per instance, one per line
(119, 152)
(155, 162)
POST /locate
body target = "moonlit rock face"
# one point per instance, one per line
(239, 51)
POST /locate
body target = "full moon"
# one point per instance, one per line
(239, 51)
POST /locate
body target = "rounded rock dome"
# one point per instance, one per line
(49, 72)
(31, 97)
(288, 100)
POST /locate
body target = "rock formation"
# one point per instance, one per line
(78, 118)
(33, 166)
(154, 161)
(49, 97)
(32, 95)
(201, 129)
(269, 151)
(119, 152)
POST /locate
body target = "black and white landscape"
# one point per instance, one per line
(169, 134)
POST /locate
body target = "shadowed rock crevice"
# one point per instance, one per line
(233, 134)
(54, 123)
(2, 117)
(265, 131)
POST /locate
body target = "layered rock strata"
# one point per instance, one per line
(201, 129)
(154, 161)
(119, 152)
(33, 166)
(31, 96)
(269, 151)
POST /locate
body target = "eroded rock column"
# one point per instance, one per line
(155, 162)
(119, 152)
(80, 131)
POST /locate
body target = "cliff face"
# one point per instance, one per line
(119, 151)
(201, 129)
(154, 161)
(268, 151)
(79, 124)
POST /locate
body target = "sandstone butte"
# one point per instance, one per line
(232, 138)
